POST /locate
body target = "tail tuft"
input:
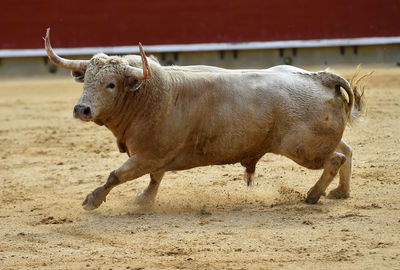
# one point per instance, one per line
(358, 84)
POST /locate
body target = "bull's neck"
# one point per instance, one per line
(136, 112)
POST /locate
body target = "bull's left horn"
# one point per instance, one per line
(142, 74)
(65, 63)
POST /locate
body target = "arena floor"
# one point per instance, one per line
(204, 218)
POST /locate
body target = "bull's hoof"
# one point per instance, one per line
(313, 196)
(144, 199)
(92, 201)
(338, 193)
(312, 200)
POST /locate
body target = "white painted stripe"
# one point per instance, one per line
(257, 45)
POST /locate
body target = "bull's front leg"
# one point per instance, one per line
(135, 167)
(147, 196)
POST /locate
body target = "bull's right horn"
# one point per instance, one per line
(144, 73)
(65, 63)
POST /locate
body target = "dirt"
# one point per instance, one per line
(204, 218)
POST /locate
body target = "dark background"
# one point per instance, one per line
(116, 23)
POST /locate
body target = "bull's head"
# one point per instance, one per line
(104, 78)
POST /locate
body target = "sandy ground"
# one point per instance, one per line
(204, 218)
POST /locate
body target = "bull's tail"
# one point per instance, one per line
(355, 91)
(358, 83)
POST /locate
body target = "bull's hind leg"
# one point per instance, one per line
(342, 191)
(331, 168)
(147, 196)
(250, 165)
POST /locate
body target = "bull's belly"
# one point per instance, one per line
(185, 162)
(191, 158)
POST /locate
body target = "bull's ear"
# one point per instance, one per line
(132, 83)
(79, 75)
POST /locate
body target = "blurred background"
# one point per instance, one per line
(231, 34)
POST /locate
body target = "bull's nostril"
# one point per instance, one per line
(86, 111)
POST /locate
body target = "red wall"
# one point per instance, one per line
(114, 23)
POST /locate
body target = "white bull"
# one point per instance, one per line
(177, 118)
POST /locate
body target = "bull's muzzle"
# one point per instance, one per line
(83, 113)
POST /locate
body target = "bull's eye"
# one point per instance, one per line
(111, 85)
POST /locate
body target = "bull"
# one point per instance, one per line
(170, 118)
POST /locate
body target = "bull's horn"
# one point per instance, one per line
(142, 74)
(65, 63)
